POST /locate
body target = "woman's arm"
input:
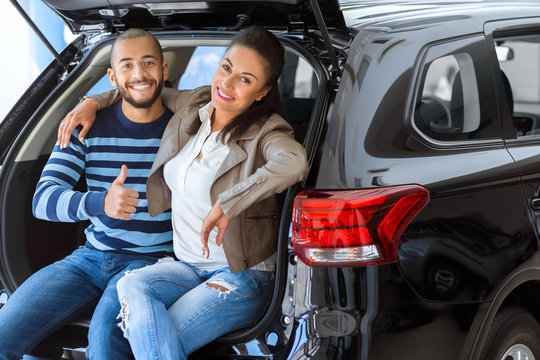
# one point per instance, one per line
(286, 164)
(84, 114)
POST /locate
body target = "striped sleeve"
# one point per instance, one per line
(54, 198)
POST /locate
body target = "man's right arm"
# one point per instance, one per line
(54, 198)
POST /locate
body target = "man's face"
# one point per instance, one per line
(137, 71)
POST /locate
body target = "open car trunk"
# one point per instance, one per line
(27, 244)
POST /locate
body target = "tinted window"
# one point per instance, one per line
(455, 99)
(298, 85)
(519, 61)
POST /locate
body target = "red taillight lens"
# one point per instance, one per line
(353, 227)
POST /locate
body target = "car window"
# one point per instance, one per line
(201, 67)
(104, 84)
(298, 83)
(519, 59)
(455, 96)
(298, 80)
(199, 71)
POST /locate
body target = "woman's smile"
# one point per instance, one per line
(224, 95)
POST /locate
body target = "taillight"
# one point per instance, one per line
(353, 227)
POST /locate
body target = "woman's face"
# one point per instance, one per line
(239, 81)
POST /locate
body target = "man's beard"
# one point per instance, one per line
(143, 104)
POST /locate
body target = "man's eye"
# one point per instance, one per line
(126, 66)
(149, 63)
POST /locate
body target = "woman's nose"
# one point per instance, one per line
(227, 82)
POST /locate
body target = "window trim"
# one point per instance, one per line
(416, 82)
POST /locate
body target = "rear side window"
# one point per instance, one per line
(519, 61)
(455, 99)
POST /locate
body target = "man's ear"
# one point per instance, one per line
(165, 68)
(112, 76)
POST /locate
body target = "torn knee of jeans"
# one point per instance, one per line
(221, 285)
(123, 315)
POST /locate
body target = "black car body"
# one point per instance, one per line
(415, 235)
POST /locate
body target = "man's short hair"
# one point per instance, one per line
(135, 33)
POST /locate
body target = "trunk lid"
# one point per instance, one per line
(84, 16)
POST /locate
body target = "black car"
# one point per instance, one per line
(415, 235)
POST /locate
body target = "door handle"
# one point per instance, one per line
(535, 204)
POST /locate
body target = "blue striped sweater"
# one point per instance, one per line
(112, 141)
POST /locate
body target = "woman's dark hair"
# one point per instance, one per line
(263, 42)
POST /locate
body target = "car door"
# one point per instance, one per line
(516, 46)
(445, 135)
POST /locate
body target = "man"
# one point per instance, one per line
(116, 157)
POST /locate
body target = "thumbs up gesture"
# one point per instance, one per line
(120, 202)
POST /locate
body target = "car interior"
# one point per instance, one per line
(518, 60)
(29, 239)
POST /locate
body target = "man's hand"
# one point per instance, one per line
(120, 202)
(84, 114)
(215, 218)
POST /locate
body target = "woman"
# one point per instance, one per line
(218, 166)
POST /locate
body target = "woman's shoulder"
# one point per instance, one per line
(275, 121)
(267, 124)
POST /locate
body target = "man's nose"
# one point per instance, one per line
(138, 71)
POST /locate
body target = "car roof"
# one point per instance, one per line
(458, 17)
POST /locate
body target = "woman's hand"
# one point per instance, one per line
(215, 218)
(84, 114)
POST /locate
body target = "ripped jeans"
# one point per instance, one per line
(171, 309)
(74, 287)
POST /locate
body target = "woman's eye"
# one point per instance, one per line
(226, 67)
(245, 80)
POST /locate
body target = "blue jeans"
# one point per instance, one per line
(171, 309)
(68, 290)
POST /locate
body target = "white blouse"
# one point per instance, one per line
(189, 175)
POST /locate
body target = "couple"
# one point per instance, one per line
(222, 156)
